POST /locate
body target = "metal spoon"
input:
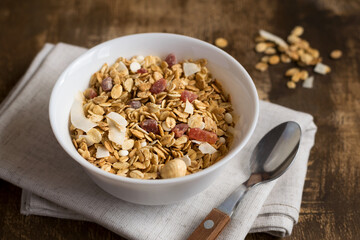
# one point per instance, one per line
(271, 157)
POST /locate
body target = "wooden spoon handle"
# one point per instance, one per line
(211, 226)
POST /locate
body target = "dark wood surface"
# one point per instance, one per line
(331, 199)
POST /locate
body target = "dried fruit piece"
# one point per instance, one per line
(202, 135)
(180, 129)
(90, 93)
(150, 125)
(134, 104)
(159, 86)
(188, 95)
(142, 70)
(171, 60)
(107, 84)
(336, 54)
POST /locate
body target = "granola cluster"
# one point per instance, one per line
(296, 50)
(149, 118)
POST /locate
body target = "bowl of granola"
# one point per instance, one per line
(153, 118)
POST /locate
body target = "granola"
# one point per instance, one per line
(149, 118)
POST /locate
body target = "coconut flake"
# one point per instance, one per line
(308, 83)
(117, 118)
(196, 141)
(186, 159)
(202, 126)
(190, 68)
(188, 107)
(116, 135)
(273, 38)
(206, 148)
(140, 59)
(122, 68)
(77, 116)
(102, 152)
(89, 141)
(322, 68)
(134, 66)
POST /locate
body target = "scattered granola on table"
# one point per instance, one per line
(296, 50)
(149, 118)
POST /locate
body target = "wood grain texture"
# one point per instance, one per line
(331, 199)
(210, 232)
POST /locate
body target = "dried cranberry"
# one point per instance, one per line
(202, 135)
(180, 129)
(107, 84)
(134, 104)
(90, 93)
(191, 96)
(142, 70)
(159, 86)
(170, 60)
(150, 125)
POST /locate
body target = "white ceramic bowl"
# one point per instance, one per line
(232, 75)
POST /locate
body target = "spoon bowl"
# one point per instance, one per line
(274, 154)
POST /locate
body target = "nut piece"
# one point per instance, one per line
(274, 60)
(221, 42)
(228, 118)
(290, 72)
(291, 84)
(336, 54)
(297, 31)
(173, 168)
(261, 66)
(261, 47)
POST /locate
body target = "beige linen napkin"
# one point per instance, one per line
(31, 158)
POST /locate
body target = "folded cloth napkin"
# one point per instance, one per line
(57, 186)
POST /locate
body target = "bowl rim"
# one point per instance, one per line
(84, 163)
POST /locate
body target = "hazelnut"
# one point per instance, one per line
(173, 168)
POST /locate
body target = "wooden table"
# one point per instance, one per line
(331, 200)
